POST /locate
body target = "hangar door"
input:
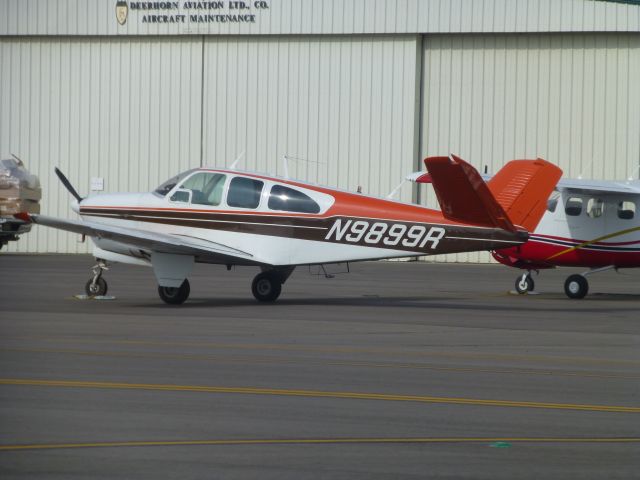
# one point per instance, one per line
(126, 110)
(343, 107)
(571, 99)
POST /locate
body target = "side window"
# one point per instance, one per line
(206, 188)
(552, 203)
(290, 200)
(595, 207)
(626, 210)
(244, 192)
(573, 207)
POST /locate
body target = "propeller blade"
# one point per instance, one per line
(68, 185)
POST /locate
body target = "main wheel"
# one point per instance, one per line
(266, 287)
(97, 289)
(524, 284)
(175, 295)
(576, 286)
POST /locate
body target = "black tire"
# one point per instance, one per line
(97, 290)
(175, 295)
(576, 286)
(266, 287)
(526, 285)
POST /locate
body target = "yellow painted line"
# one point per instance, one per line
(319, 394)
(332, 363)
(317, 441)
(595, 240)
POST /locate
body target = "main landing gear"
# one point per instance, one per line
(175, 295)
(97, 286)
(267, 285)
(577, 286)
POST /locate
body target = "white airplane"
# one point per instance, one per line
(592, 224)
(229, 217)
(587, 223)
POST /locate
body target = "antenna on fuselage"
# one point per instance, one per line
(395, 190)
(236, 161)
(286, 168)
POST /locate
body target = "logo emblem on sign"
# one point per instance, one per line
(122, 10)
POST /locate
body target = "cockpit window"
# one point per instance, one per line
(573, 207)
(244, 192)
(626, 210)
(206, 188)
(167, 186)
(552, 203)
(290, 200)
(595, 207)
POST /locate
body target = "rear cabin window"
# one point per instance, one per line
(290, 200)
(244, 192)
(573, 207)
(626, 210)
(595, 207)
(206, 188)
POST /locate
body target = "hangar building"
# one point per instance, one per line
(123, 94)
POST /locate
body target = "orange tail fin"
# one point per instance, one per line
(522, 188)
(515, 197)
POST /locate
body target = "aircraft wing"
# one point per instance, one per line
(152, 241)
(599, 186)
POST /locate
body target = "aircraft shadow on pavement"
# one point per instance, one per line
(415, 302)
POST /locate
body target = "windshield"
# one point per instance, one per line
(167, 186)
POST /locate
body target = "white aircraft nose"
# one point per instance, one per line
(75, 206)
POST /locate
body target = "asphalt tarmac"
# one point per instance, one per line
(396, 370)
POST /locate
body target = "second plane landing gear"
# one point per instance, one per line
(576, 286)
(525, 283)
(175, 295)
(97, 286)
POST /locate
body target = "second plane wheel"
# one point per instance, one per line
(266, 287)
(175, 295)
(96, 290)
(576, 286)
(524, 284)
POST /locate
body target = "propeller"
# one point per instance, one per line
(65, 181)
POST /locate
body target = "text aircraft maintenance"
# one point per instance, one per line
(588, 223)
(229, 217)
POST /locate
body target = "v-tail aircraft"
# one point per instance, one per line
(230, 217)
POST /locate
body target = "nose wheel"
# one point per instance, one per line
(97, 286)
(524, 283)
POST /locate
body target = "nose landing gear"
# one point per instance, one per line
(525, 283)
(97, 286)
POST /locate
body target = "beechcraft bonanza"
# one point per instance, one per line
(229, 217)
(588, 223)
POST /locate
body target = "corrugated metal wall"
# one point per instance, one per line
(572, 99)
(344, 105)
(97, 17)
(127, 110)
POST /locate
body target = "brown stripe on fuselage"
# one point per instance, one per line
(364, 232)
